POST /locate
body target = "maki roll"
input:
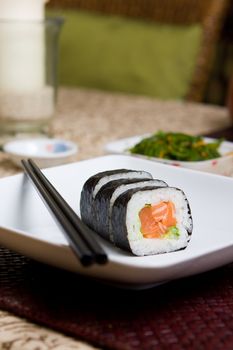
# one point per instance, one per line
(106, 197)
(94, 184)
(149, 221)
(136, 212)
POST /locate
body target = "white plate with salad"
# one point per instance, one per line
(185, 151)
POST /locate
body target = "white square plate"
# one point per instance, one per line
(27, 227)
(222, 165)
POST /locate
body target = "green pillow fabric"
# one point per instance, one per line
(121, 54)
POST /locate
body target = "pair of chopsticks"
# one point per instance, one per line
(80, 237)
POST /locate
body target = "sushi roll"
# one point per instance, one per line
(94, 184)
(148, 221)
(106, 197)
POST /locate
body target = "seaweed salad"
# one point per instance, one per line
(177, 146)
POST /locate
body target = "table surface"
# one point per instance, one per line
(92, 119)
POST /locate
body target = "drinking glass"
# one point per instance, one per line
(28, 75)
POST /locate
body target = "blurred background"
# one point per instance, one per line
(170, 49)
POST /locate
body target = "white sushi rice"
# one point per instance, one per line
(148, 246)
(117, 176)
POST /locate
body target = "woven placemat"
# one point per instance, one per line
(192, 313)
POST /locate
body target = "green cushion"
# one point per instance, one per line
(132, 56)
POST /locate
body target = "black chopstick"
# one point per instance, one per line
(80, 237)
(86, 233)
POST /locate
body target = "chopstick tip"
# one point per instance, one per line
(87, 260)
(101, 259)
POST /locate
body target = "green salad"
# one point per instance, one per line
(177, 146)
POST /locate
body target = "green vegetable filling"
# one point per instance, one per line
(172, 233)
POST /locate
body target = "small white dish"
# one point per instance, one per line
(27, 227)
(46, 152)
(222, 165)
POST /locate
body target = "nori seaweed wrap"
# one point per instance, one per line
(93, 185)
